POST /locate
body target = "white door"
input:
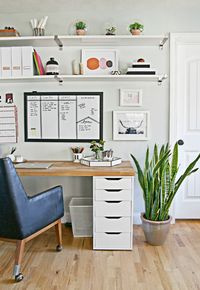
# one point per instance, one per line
(185, 116)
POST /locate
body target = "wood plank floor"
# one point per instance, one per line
(176, 265)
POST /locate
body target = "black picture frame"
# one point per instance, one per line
(35, 93)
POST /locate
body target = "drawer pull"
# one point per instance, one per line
(113, 217)
(112, 233)
(113, 178)
(113, 201)
(113, 190)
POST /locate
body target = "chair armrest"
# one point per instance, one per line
(43, 209)
(53, 192)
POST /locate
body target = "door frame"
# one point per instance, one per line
(172, 100)
(175, 40)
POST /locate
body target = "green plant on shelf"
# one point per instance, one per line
(136, 26)
(80, 25)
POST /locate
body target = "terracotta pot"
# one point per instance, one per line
(80, 32)
(135, 32)
(155, 232)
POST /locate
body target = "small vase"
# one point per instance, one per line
(135, 32)
(80, 32)
(98, 155)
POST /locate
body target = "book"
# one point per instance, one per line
(141, 71)
(90, 161)
(39, 68)
(36, 68)
(140, 65)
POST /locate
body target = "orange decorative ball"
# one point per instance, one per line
(92, 63)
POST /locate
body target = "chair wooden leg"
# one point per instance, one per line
(58, 229)
(18, 259)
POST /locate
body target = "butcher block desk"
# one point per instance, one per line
(113, 190)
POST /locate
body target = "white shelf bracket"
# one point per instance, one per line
(162, 78)
(59, 79)
(161, 44)
(58, 42)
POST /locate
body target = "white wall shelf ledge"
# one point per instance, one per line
(87, 40)
(61, 78)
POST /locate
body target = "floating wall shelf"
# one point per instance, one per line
(62, 78)
(87, 40)
(82, 41)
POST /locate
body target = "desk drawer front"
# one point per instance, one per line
(113, 183)
(113, 241)
(112, 208)
(113, 224)
(113, 194)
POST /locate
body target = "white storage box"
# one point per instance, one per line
(81, 211)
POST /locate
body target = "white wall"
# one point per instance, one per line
(157, 17)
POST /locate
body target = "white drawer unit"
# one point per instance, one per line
(112, 208)
(113, 224)
(112, 212)
(113, 194)
(113, 183)
(113, 241)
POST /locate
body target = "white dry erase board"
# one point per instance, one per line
(63, 117)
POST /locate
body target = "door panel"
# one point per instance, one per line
(185, 117)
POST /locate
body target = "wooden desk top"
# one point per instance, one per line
(69, 168)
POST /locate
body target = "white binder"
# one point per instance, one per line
(6, 62)
(0, 65)
(27, 61)
(16, 62)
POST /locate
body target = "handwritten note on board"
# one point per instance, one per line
(63, 116)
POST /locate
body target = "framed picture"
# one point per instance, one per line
(63, 116)
(99, 61)
(130, 97)
(131, 125)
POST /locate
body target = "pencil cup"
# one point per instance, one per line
(41, 31)
(77, 157)
(35, 32)
(38, 32)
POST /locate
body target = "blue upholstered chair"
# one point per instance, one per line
(22, 217)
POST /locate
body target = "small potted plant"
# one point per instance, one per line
(110, 30)
(80, 28)
(160, 184)
(136, 28)
(97, 148)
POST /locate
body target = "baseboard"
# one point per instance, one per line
(136, 218)
(66, 218)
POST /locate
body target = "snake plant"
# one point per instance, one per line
(159, 180)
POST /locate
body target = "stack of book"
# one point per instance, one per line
(141, 68)
(9, 32)
(38, 66)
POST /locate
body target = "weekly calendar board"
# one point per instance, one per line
(63, 117)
